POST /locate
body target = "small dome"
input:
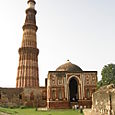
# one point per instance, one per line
(68, 66)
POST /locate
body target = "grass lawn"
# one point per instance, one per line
(31, 111)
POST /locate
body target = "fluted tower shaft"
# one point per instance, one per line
(27, 75)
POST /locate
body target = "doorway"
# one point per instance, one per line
(73, 90)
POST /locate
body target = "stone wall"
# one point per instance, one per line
(16, 97)
(58, 105)
(103, 100)
(43, 97)
(113, 101)
(10, 97)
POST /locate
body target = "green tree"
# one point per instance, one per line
(108, 75)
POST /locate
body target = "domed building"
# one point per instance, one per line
(69, 85)
(68, 66)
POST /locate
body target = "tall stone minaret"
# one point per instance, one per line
(27, 75)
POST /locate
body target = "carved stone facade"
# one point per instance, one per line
(27, 75)
(71, 87)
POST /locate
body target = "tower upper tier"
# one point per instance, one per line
(29, 27)
(30, 21)
(31, 4)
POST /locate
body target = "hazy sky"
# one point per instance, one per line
(82, 31)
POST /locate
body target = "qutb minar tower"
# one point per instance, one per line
(27, 75)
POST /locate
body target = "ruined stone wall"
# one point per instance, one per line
(103, 100)
(29, 97)
(43, 97)
(113, 101)
(10, 97)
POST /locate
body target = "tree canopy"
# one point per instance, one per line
(108, 75)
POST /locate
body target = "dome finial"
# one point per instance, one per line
(69, 67)
(68, 61)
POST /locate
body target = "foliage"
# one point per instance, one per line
(31, 111)
(108, 75)
(99, 84)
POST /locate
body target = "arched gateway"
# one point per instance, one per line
(73, 90)
(67, 86)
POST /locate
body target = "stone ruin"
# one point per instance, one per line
(23, 97)
(103, 100)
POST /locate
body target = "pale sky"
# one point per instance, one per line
(82, 31)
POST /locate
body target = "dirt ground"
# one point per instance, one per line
(1, 113)
(89, 112)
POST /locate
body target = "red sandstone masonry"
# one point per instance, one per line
(59, 105)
